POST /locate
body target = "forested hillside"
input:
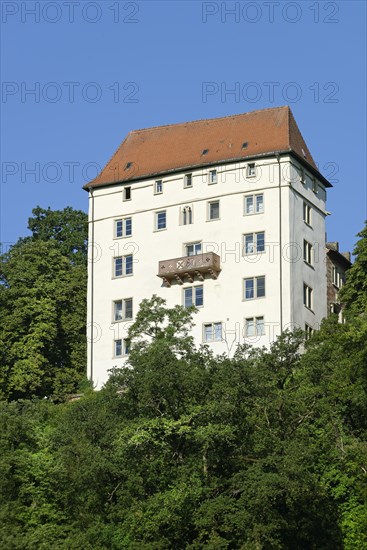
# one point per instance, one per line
(182, 449)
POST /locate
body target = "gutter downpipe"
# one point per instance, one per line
(280, 246)
(92, 287)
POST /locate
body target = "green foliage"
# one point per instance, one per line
(43, 308)
(354, 293)
(181, 449)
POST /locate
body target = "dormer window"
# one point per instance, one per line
(251, 170)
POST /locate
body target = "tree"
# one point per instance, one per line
(354, 293)
(42, 310)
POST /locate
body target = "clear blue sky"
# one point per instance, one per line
(101, 69)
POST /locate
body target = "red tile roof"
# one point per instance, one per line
(163, 149)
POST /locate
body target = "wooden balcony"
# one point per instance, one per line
(189, 268)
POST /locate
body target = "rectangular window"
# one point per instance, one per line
(254, 204)
(213, 210)
(194, 296)
(121, 347)
(213, 176)
(123, 227)
(158, 187)
(255, 327)
(160, 220)
(123, 265)
(307, 252)
(193, 249)
(254, 287)
(212, 332)
(306, 213)
(123, 310)
(307, 296)
(302, 176)
(188, 181)
(254, 242)
(308, 331)
(251, 170)
(127, 194)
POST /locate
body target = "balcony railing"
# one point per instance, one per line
(187, 268)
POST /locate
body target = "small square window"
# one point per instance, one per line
(255, 327)
(123, 310)
(158, 187)
(251, 170)
(188, 181)
(121, 347)
(127, 194)
(213, 176)
(254, 204)
(214, 210)
(254, 243)
(160, 220)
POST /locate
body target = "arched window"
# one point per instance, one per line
(187, 215)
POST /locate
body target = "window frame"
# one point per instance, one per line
(156, 218)
(186, 176)
(187, 217)
(193, 290)
(123, 266)
(307, 296)
(125, 193)
(123, 227)
(212, 325)
(254, 236)
(254, 287)
(123, 310)
(156, 184)
(254, 204)
(193, 244)
(124, 345)
(307, 252)
(251, 166)
(307, 209)
(255, 320)
(210, 203)
(214, 172)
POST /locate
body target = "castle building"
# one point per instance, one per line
(226, 214)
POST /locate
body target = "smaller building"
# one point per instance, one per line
(337, 264)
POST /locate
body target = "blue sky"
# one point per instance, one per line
(101, 69)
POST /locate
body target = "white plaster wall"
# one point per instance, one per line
(223, 298)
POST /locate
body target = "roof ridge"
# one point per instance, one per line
(209, 119)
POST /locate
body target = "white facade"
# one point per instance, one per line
(292, 212)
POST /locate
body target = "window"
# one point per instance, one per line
(121, 347)
(123, 265)
(214, 210)
(315, 187)
(193, 248)
(254, 242)
(307, 296)
(302, 176)
(123, 227)
(194, 296)
(307, 252)
(160, 220)
(308, 331)
(127, 194)
(306, 213)
(187, 215)
(251, 170)
(254, 204)
(123, 310)
(254, 287)
(213, 176)
(255, 327)
(188, 181)
(212, 332)
(158, 187)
